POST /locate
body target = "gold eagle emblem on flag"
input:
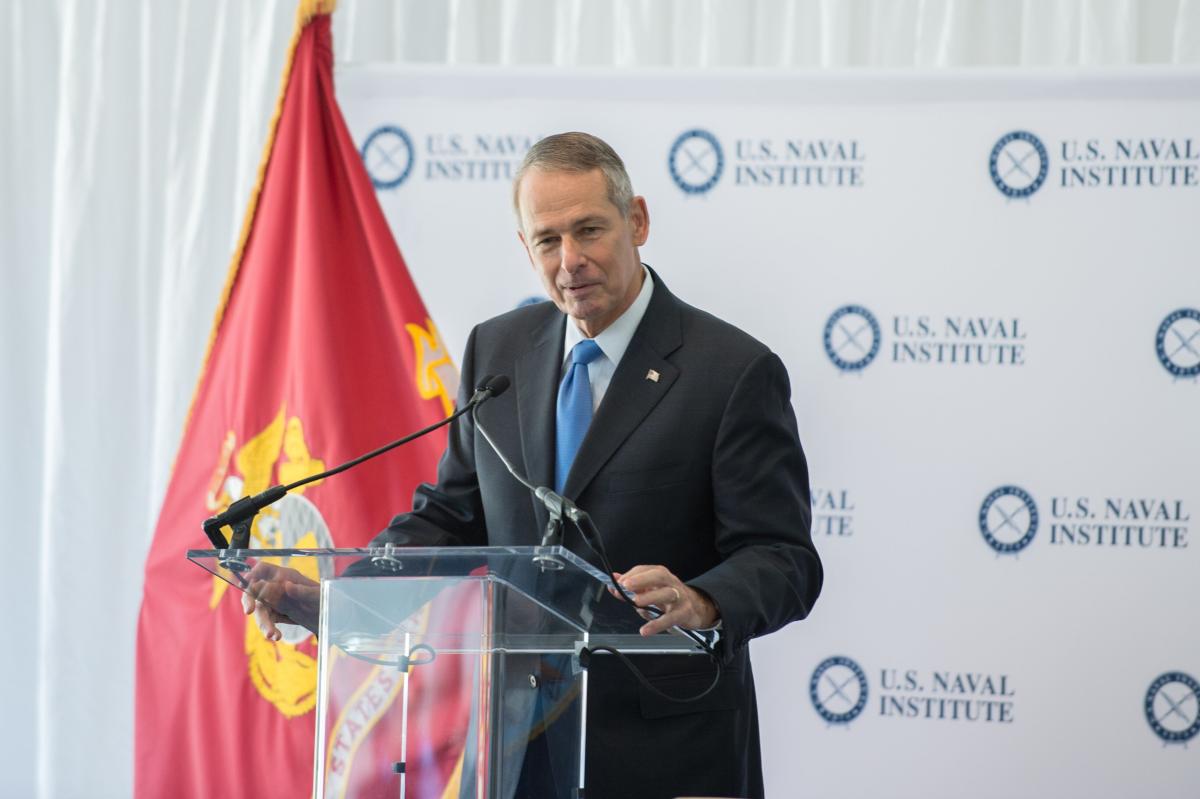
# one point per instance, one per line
(283, 672)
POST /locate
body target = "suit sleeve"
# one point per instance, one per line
(449, 513)
(770, 573)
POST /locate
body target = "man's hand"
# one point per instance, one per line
(277, 595)
(682, 605)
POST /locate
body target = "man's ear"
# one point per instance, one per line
(639, 220)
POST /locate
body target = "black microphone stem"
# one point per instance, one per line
(376, 452)
(240, 515)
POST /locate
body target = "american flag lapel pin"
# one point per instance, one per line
(652, 375)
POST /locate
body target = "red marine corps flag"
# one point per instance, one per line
(321, 350)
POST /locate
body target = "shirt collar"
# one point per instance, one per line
(614, 339)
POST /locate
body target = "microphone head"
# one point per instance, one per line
(497, 385)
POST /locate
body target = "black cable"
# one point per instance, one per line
(641, 678)
(581, 520)
(595, 542)
(404, 662)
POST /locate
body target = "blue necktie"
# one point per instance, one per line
(574, 409)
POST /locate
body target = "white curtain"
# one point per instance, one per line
(771, 33)
(131, 135)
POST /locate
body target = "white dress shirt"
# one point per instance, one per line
(612, 341)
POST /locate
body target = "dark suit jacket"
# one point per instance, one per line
(700, 471)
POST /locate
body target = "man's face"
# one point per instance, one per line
(581, 244)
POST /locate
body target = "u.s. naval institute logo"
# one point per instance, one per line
(1173, 707)
(852, 337)
(696, 161)
(838, 690)
(1018, 164)
(1177, 343)
(1008, 519)
(388, 155)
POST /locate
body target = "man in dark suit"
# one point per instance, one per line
(675, 431)
(691, 466)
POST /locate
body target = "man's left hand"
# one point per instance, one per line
(682, 605)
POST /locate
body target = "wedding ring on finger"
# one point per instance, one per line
(678, 596)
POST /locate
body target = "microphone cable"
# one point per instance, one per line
(493, 386)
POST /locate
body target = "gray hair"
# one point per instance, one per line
(578, 152)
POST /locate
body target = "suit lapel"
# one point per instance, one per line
(633, 392)
(536, 380)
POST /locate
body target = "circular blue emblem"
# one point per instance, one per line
(1173, 707)
(1018, 164)
(696, 161)
(1178, 342)
(852, 337)
(388, 155)
(838, 690)
(1008, 519)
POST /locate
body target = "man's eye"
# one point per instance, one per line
(547, 243)
(589, 231)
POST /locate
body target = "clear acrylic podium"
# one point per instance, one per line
(449, 672)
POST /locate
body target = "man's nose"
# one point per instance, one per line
(572, 254)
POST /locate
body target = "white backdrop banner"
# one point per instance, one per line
(986, 289)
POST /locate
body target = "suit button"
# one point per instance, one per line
(532, 681)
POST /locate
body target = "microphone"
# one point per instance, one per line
(240, 515)
(556, 504)
(488, 387)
